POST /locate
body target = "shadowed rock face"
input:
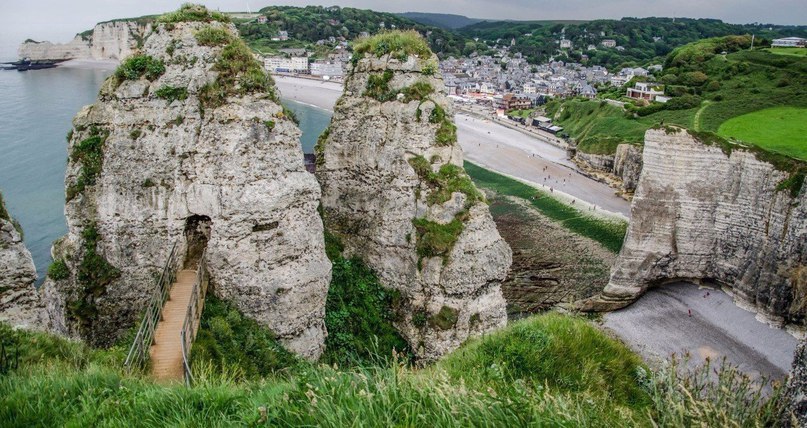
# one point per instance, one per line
(373, 194)
(232, 171)
(700, 214)
(20, 305)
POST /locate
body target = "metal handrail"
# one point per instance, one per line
(192, 316)
(139, 352)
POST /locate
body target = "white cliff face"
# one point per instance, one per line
(620, 170)
(237, 169)
(700, 214)
(108, 41)
(372, 193)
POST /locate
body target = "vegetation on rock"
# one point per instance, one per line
(239, 74)
(189, 12)
(435, 239)
(137, 66)
(58, 270)
(4, 215)
(90, 154)
(95, 273)
(397, 44)
(446, 319)
(171, 94)
(211, 36)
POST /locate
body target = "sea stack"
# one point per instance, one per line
(188, 144)
(396, 194)
(709, 210)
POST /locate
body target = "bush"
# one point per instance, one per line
(684, 102)
(58, 270)
(229, 342)
(171, 93)
(435, 239)
(138, 66)
(398, 44)
(210, 36)
(90, 154)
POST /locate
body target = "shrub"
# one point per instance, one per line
(171, 93)
(138, 66)
(684, 102)
(398, 44)
(446, 134)
(239, 74)
(448, 180)
(210, 36)
(435, 239)
(230, 342)
(189, 12)
(90, 153)
(58, 270)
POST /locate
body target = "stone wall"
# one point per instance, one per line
(702, 214)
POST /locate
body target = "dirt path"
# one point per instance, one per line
(696, 121)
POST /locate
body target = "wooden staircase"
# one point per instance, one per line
(166, 351)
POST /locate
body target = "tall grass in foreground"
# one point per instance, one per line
(610, 234)
(547, 370)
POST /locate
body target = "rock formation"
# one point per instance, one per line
(188, 143)
(795, 397)
(709, 210)
(395, 191)
(20, 304)
(620, 170)
(106, 41)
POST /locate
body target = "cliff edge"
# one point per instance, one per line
(709, 210)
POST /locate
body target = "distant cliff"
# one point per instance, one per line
(188, 143)
(395, 191)
(107, 41)
(708, 210)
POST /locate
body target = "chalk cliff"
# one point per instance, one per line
(188, 143)
(794, 413)
(20, 304)
(708, 210)
(395, 191)
(107, 41)
(619, 170)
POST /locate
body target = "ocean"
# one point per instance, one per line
(36, 109)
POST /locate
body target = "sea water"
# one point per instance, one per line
(36, 109)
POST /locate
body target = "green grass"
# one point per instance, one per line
(779, 129)
(239, 73)
(137, 66)
(189, 12)
(800, 52)
(547, 370)
(171, 94)
(398, 44)
(608, 233)
(210, 36)
(521, 113)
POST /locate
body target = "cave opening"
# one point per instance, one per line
(197, 234)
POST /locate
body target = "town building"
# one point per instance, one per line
(326, 68)
(565, 44)
(608, 43)
(282, 64)
(647, 91)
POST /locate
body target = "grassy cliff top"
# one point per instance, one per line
(189, 12)
(399, 44)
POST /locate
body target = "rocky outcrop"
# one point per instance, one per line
(394, 190)
(713, 211)
(189, 144)
(20, 305)
(795, 396)
(107, 41)
(620, 170)
(628, 165)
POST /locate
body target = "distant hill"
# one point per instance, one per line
(442, 20)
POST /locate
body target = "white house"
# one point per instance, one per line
(565, 44)
(608, 43)
(324, 68)
(647, 91)
(789, 42)
(280, 64)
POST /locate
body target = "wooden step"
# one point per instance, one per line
(166, 352)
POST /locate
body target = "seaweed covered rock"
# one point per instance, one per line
(395, 192)
(188, 143)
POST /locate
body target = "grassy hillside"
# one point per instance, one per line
(549, 370)
(442, 20)
(779, 129)
(708, 89)
(644, 39)
(307, 25)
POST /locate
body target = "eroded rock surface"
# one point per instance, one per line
(198, 150)
(701, 214)
(795, 397)
(395, 192)
(20, 305)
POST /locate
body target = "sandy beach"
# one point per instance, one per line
(91, 64)
(498, 148)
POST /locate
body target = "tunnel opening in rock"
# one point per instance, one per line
(197, 234)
